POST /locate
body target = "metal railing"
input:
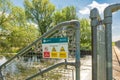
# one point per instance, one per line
(30, 56)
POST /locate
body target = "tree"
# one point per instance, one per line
(19, 32)
(22, 33)
(40, 13)
(85, 34)
(5, 9)
(66, 14)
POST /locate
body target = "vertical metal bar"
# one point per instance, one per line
(108, 34)
(77, 37)
(94, 22)
(108, 51)
(108, 41)
(94, 53)
(1, 76)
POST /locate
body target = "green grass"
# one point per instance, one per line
(113, 43)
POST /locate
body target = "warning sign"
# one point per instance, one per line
(54, 53)
(63, 53)
(46, 53)
(55, 48)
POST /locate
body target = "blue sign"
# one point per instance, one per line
(54, 40)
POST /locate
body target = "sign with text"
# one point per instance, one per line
(55, 48)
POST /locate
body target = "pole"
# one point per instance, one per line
(94, 15)
(108, 35)
(77, 66)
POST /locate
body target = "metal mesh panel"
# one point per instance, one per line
(101, 52)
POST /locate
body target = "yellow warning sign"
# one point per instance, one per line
(54, 53)
(62, 53)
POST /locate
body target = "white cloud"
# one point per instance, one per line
(85, 11)
(94, 4)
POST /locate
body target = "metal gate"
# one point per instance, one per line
(30, 56)
(102, 43)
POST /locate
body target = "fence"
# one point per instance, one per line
(29, 61)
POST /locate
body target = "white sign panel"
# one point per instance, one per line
(55, 48)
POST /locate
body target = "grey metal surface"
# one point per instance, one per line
(77, 38)
(101, 53)
(102, 43)
(94, 15)
(108, 34)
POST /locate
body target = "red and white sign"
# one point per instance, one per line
(46, 53)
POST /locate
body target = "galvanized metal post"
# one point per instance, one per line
(94, 15)
(108, 41)
(108, 34)
(77, 37)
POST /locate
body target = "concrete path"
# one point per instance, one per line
(86, 69)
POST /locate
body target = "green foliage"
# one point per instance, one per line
(85, 34)
(5, 9)
(17, 29)
(8, 55)
(16, 32)
(39, 12)
(113, 43)
(66, 14)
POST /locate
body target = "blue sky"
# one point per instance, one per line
(83, 8)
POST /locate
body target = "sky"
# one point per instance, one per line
(83, 8)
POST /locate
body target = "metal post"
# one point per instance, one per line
(108, 43)
(108, 35)
(94, 15)
(108, 51)
(77, 37)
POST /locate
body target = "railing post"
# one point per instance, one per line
(77, 37)
(108, 35)
(94, 15)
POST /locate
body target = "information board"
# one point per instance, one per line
(55, 48)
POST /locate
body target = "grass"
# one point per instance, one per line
(113, 43)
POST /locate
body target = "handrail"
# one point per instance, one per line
(47, 34)
(50, 68)
(77, 36)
